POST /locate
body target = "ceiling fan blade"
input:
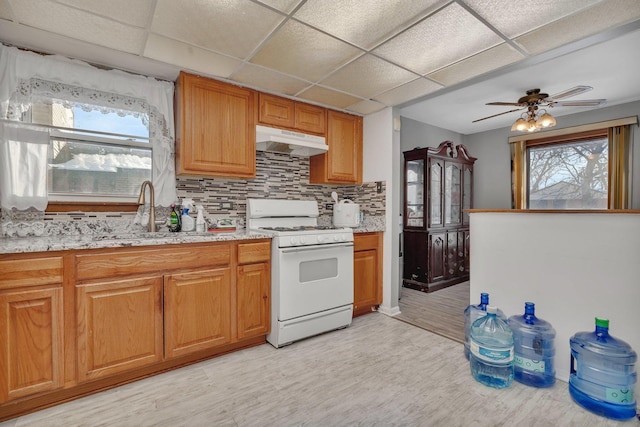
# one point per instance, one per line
(579, 103)
(515, 104)
(496, 115)
(571, 92)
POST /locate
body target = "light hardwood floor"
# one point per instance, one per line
(377, 372)
(441, 312)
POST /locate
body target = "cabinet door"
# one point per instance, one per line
(216, 128)
(436, 190)
(367, 265)
(415, 261)
(365, 269)
(452, 194)
(455, 259)
(253, 300)
(276, 111)
(342, 164)
(437, 256)
(310, 118)
(197, 311)
(119, 325)
(31, 342)
(414, 190)
(467, 192)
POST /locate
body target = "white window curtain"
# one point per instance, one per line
(27, 75)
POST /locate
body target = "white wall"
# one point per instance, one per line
(380, 163)
(417, 134)
(492, 180)
(572, 266)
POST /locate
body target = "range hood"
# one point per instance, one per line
(289, 142)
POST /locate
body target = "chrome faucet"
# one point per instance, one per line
(152, 207)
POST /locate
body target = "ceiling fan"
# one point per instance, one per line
(534, 99)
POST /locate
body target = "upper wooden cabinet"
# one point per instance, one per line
(286, 113)
(215, 128)
(342, 164)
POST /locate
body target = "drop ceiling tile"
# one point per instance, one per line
(135, 13)
(189, 57)
(412, 90)
(368, 76)
(67, 21)
(443, 38)
(476, 65)
(285, 6)
(5, 10)
(328, 97)
(259, 77)
(607, 15)
(364, 23)
(514, 18)
(234, 28)
(366, 107)
(301, 51)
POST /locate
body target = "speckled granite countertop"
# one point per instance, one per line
(9, 245)
(59, 243)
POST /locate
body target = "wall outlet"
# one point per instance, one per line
(379, 187)
(329, 206)
(226, 205)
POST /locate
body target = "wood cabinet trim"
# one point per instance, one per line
(31, 271)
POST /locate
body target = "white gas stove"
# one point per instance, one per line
(311, 269)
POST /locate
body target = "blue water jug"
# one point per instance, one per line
(533, 342)
(491, 350)
(473, 312)
(603, 373)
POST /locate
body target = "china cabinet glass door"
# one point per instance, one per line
(414, 193)
(453, 194)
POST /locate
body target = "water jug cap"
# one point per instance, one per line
(603, 323)
(492, 309)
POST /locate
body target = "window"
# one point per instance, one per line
(93, 153)
(584, 168)
(568, 175)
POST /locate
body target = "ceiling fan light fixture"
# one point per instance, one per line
(546, 120)
(532, 125)
(519, 125)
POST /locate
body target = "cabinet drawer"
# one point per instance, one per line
(132, 261)
(365, 241)
(30, 272)
(249, 253)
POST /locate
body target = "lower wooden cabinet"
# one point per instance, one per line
(119, 326)
(86, 320)
(197, 311)
(253, 289)
(31, 341)
(367, 272)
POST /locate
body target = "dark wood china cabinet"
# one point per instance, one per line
(438, 189)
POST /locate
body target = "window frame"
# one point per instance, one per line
(617, 134)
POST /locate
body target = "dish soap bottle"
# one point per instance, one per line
(188, 224)
(200, 224)
(174, 219)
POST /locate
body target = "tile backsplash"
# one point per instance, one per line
(278, 176)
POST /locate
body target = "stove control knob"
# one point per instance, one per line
(303, 240)
(320, 239)
(336, 237)
(293, 241)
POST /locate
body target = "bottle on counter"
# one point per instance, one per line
(174, 219)
(188, 223)
(604, 380)
(534, 349)
(491, 350)
(473, 312)
(201, 226)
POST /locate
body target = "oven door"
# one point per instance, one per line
(311, 279)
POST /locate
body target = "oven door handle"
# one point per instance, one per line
(317, 247)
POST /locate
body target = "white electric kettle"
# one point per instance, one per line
(345, 212)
